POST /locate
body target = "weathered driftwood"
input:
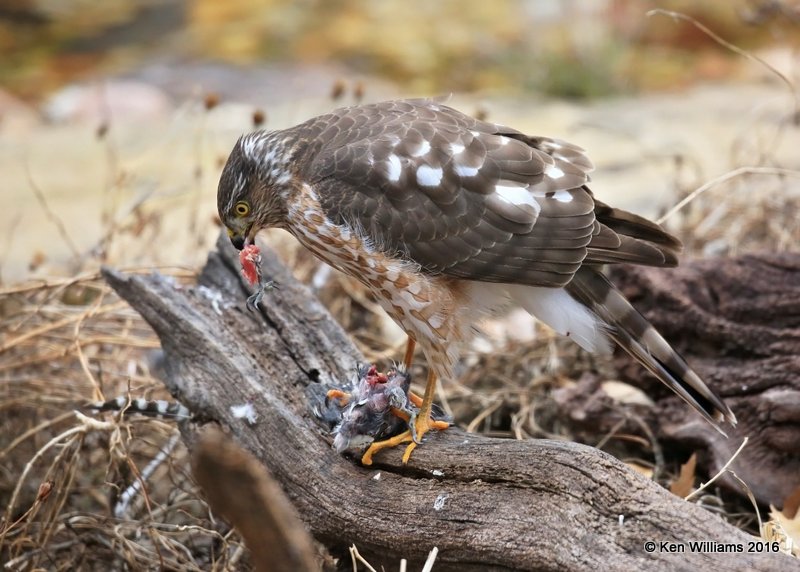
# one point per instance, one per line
(738, 322)
(487, 504)
(239, 488)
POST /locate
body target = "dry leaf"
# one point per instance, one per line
(783, 529)
(792, 504)
(684, 484)
(626, 393)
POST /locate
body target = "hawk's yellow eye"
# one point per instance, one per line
(242, 208)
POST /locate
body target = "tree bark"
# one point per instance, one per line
(487, 504)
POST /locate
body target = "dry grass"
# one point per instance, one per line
(64, 476)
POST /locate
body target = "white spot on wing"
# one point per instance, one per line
(429, 176)
(395, 168)
(456, 148)
(563, 196)
(465, 171)
(517, 196)
(422, 149)
(554, 172)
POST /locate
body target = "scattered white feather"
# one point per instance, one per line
(438, 504)
(245, 411)
(213, 296)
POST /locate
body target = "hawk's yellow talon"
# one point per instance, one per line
(404, 437)
(415, 399)
(422, 425)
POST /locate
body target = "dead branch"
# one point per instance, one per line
(487, 504)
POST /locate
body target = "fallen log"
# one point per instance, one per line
(486, 504)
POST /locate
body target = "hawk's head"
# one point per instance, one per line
(254, 186)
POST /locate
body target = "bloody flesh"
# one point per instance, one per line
(249, 257)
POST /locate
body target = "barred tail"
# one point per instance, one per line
(147, 407)
(628, 328)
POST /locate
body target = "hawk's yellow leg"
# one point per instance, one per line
(410, 345)
(423, 424)
(412, 397)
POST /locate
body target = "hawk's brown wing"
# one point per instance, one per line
(468, 198)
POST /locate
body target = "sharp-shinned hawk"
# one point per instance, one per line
(446, 218)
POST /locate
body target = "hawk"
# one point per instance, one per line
(447, 219)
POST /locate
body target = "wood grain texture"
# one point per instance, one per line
(737, 321)
(487, 504)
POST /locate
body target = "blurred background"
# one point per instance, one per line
(115, 117)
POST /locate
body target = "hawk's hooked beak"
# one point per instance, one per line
(239, 241)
